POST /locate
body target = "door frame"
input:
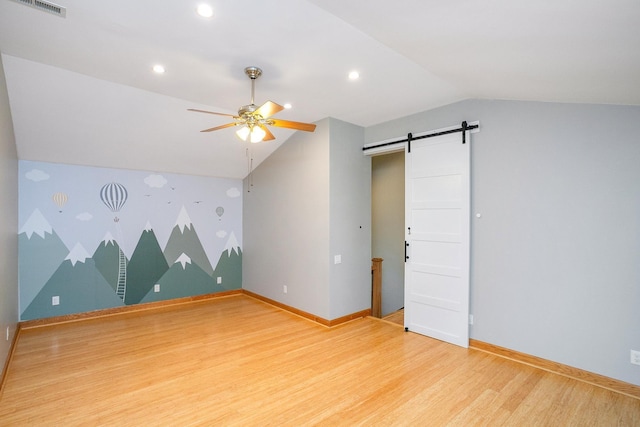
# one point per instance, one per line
(398, 144)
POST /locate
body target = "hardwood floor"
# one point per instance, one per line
(396, 317)
(239, 361)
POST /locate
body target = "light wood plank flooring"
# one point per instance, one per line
(395, 317)
(239, 361)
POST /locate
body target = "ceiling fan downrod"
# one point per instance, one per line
(253, 73)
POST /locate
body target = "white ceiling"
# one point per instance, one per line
(82, 91)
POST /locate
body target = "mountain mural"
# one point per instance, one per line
(184, 255)
(229, 267)
(77, 284)
(107, 259)
(146, 267)
(40, 252)
(185, 240)
(183, 279)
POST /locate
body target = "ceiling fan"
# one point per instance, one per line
(254, 120)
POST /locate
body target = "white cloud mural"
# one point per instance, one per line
(37, 175)
(233, 192)
(155, 181)
(84, 216)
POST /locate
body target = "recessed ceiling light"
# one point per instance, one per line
(354, 75)
(159, 69)
(205, 10)
(287, 106)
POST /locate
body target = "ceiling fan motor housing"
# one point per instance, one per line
(247, 110)
(253, 72)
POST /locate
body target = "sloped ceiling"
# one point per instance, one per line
(82, 90)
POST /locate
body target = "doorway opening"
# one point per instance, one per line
(387, 226)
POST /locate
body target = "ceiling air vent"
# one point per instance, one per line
(45, 6)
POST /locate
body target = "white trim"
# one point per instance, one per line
(400, 146)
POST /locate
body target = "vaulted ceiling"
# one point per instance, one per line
(82, 90)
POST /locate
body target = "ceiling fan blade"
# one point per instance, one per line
(228, 125)
(307, 127)
(268, 135)
(268, 109)
(211, 112)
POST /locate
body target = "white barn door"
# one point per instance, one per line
(437, 237)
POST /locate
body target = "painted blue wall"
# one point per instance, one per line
(93, 238)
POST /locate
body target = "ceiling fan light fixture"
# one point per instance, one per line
(257, 134)
(254, 134)
(254, 121)
(243, 132)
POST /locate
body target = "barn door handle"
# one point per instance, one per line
(406, 245)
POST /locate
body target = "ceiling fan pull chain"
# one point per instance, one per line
(251, 174)
(249, 170)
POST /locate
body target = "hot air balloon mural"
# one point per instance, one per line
(59, 199)
(114, 196)
(219, 211)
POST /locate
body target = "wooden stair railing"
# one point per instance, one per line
(376, 287)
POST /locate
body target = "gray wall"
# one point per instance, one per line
(286, 224)
(350, 221)
(387, 226)
(307, 204)
(555, 267)
(8, 224)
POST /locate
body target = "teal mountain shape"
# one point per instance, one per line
(229, 268)
(146, 267)
(107, 260)
(183, 279)
(80, 288)
(38, 259)
(184, 240)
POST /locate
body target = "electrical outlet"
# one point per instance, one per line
(471, 319)
(55, 300)
(156, 287)
(7, 333)
(219, 280)
(284, 289)
(337, 259)
(635, 357)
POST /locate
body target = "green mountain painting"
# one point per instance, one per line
(76, 286)
(185, 240)
(229, 269)
(40, 252)
(183, 279)
(107, 257)
(146, 267)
